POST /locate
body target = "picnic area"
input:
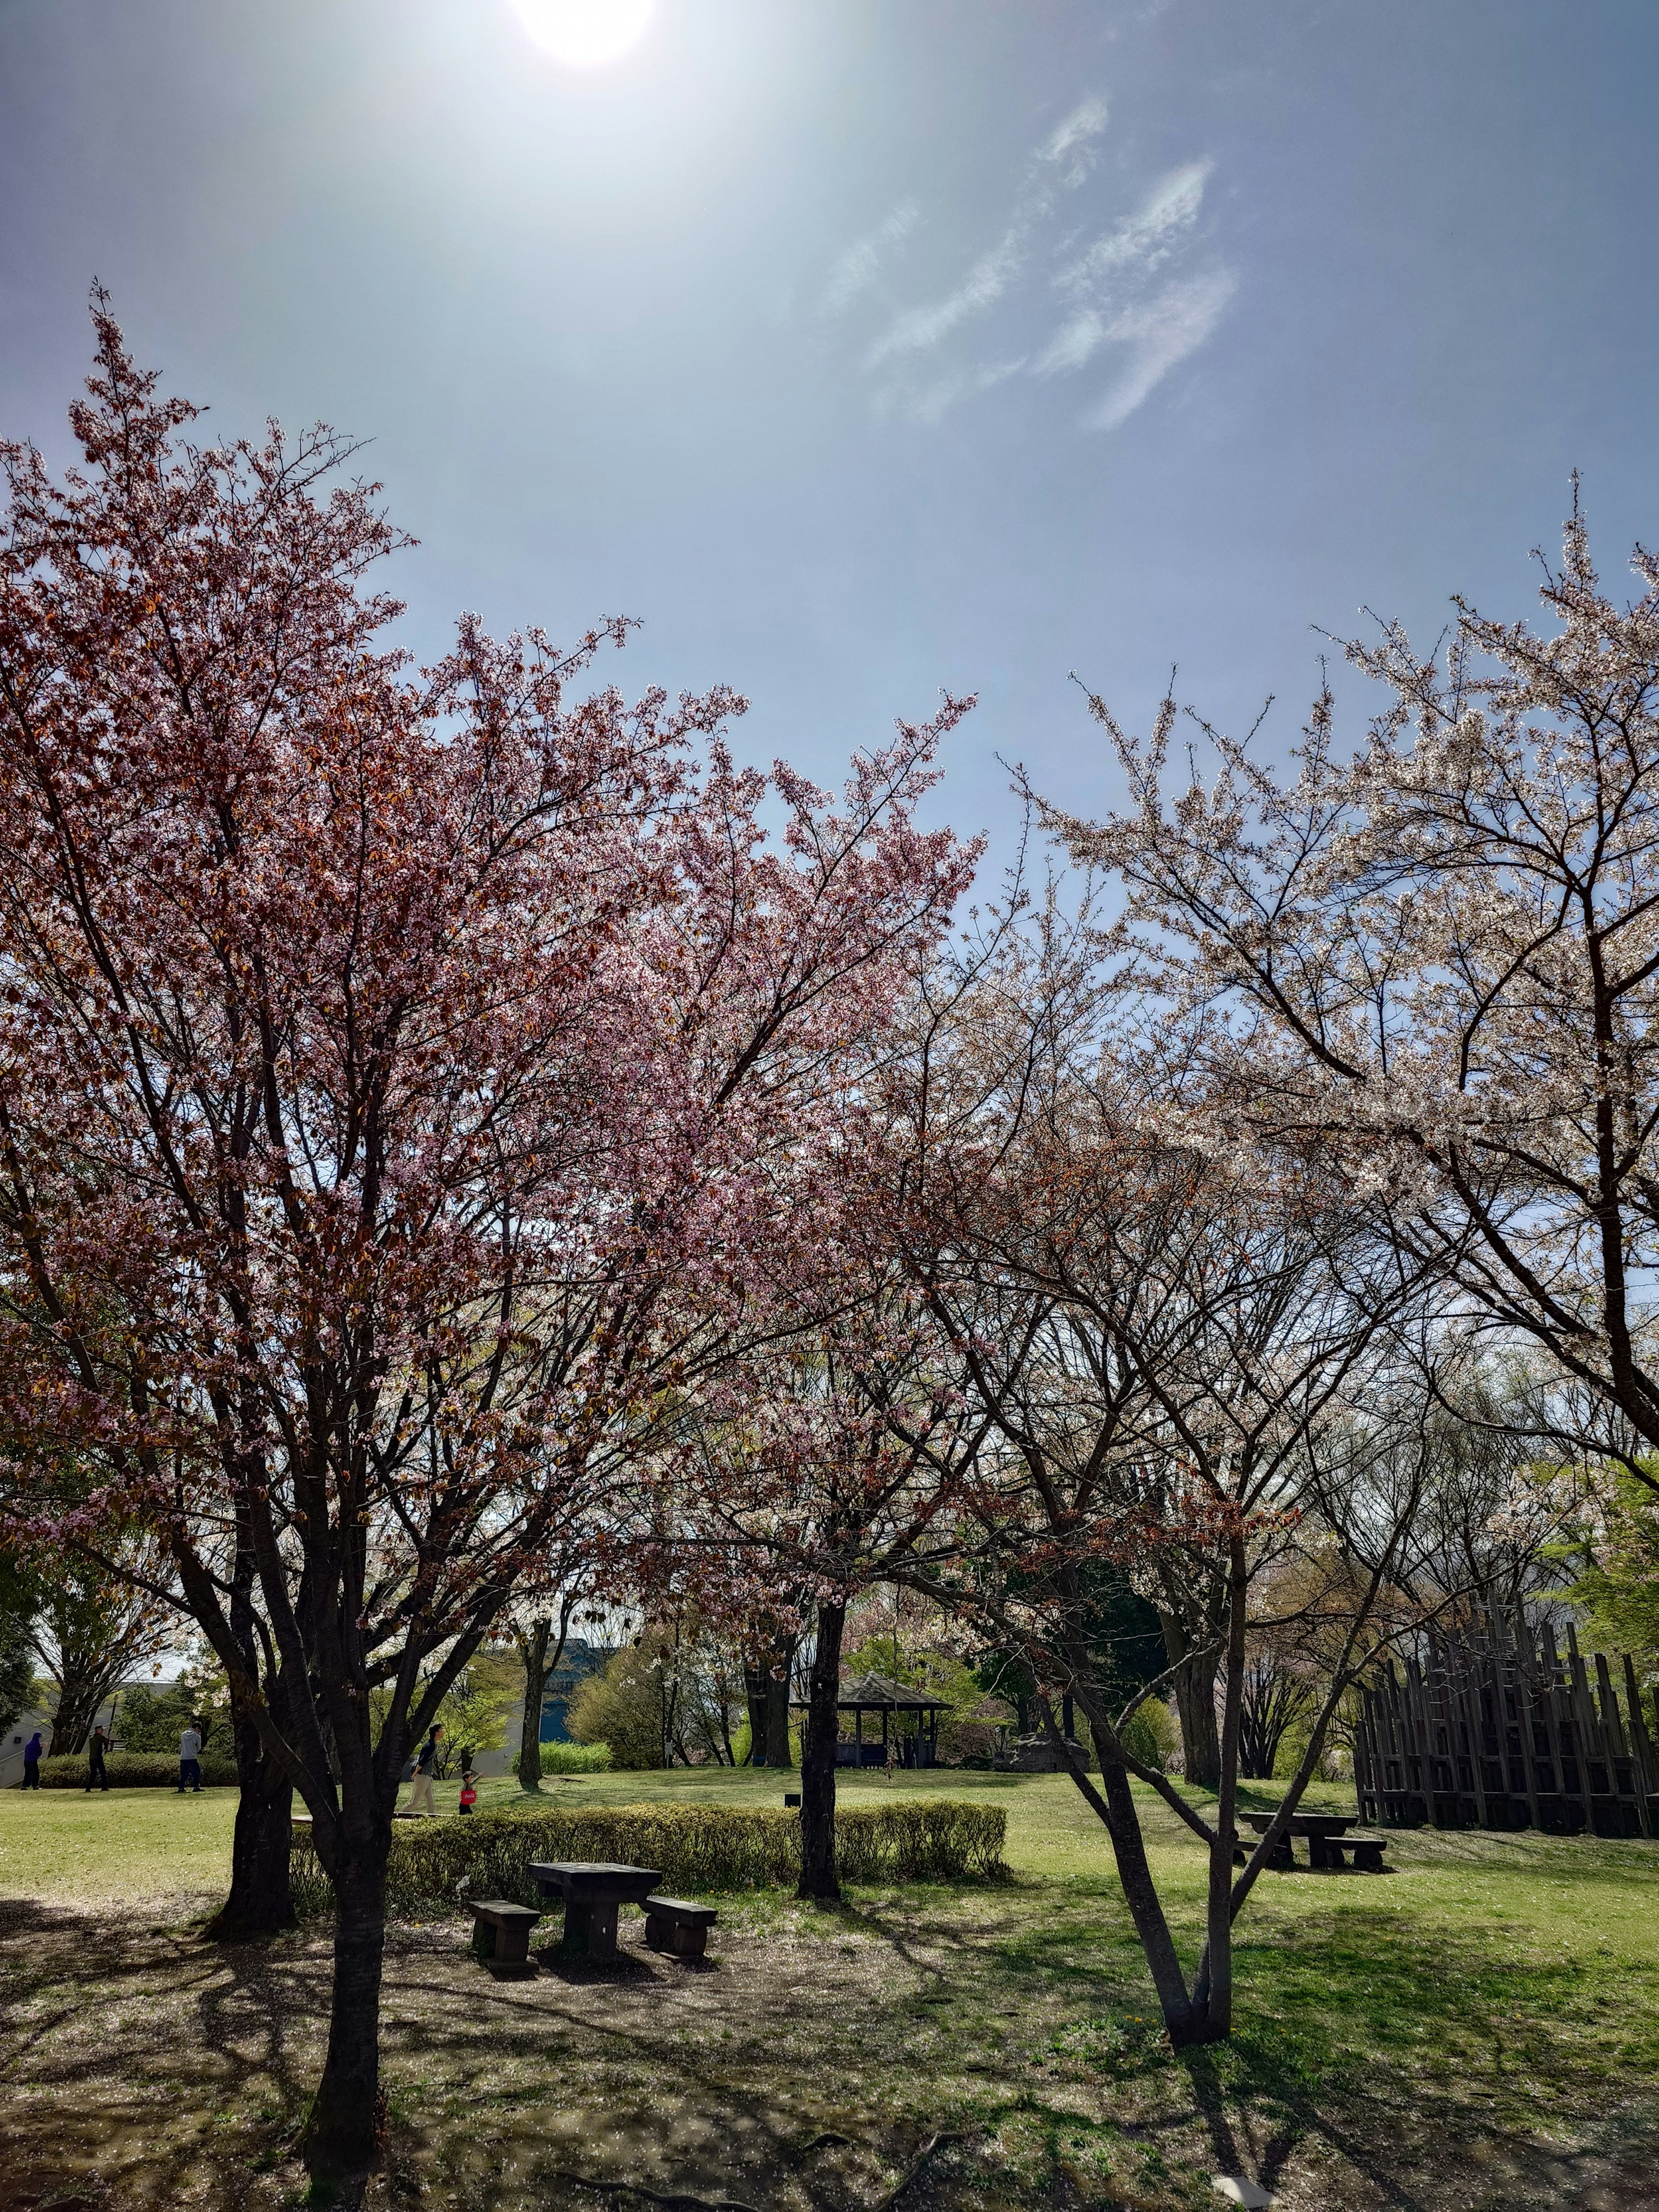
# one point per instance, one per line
(1478, 2028)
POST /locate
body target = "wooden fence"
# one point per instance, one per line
(1502, 1729)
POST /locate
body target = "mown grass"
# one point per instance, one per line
(1480, 2029)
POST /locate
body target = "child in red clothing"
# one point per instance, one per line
(469, 1791)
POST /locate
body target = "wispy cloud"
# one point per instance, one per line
(1145, 239)
(1059, 166)
(1072, 148)
(1138, 295)
(921, 328)
(858, 268)
(1158, 335)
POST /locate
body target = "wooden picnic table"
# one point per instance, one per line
(1319, 1828)
(1331, 1838)
(593, 1890)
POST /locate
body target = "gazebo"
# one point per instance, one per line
(876, 1693)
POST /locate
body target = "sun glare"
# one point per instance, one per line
(586, 34)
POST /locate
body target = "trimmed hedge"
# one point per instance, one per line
(136, 1770)
(437, 1864)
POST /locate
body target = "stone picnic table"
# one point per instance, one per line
(593, 1890)
(1328, 1840)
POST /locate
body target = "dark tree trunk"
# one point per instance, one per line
(756, 1680)
(1184, 2021)
(817, 1761)
(1200, 1739)
(532, 1649)
(342, 2131)
(777, 1707)
(261, 1901)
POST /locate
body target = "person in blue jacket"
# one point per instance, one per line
(31, 1762)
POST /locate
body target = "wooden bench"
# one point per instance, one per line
(505, 1928)
(671, 1924)
(1367, 1852)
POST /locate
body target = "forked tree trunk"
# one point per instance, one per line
(766, 1690)
(1187, 2022)
(818, 1878)
(342, 2130)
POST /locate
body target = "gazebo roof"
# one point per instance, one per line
(880, 1693)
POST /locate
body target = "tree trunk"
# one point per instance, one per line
(1181, 2017)
(756, 1680)
(532, 1649)
(261, 1901)
(1212, 1989)
(817, 1761)
(777, 1707)
(342, 2133)
(1201, 1739)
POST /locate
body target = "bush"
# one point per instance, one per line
(572, 1758)
(434, 1863)
(622, 1706)
(137, 1770)
(1152, 1732)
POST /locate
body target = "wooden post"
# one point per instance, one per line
(1625, 1786)
(1475, 1730)
(1647, 1775)
(1549, 1663)
(1518, 1692)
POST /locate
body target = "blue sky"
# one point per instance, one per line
(864, 348)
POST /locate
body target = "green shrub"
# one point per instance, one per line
(572, 1758)
(624, 1705)
(137, 1770)
(434, 1863)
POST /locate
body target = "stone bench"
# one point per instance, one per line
(508, 1928)
(671, 1924)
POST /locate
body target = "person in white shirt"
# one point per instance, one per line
(420, 1783)
(190, 1759)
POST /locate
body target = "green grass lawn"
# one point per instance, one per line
(1479, 2029)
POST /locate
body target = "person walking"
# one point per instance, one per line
(420, 1783)
(96, 1777)
(31, 1762)
(469, 1788)
(190, 1759)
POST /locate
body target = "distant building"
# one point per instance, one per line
(579, 1660)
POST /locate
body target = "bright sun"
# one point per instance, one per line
(586, 34)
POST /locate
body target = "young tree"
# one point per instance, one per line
(1170, 1342)
(824, 1464)
(398, 1080)
(539, 1624)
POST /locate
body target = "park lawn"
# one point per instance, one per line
(1481, 2029)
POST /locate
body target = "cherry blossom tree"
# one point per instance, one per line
(1436, 966)
(407, 1084)
(822, 1464)
(1181, 1352)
